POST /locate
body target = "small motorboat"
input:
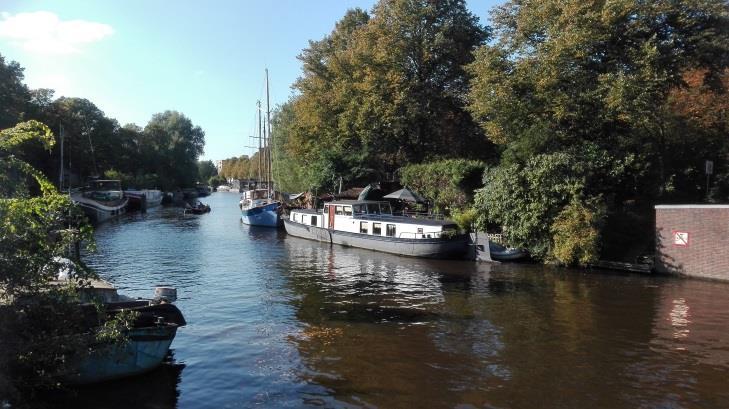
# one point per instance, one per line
(148, 339)
(502, 253)
(199, 208)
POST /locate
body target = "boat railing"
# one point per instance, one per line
(424, 235)
(420, 215)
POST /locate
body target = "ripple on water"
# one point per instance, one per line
(277, 321)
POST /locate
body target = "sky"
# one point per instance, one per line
(135, 58)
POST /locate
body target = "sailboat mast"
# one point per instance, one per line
(260, 136)
(270, 136)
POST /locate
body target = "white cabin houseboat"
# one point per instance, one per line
(371, 225)
(101, 200)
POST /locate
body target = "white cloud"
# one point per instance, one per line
(42, 32)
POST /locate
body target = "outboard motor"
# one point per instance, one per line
(165, 294)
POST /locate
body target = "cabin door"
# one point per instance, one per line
(331, 217)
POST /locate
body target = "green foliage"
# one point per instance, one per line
(163, 155)
(576, 234)
(43, 331)
(216, 181)
(13, 93)
(206, 170)
(526, 199)
(466, 218)
(449, 183)
(180, 143)
(565, 72)
(379, 92)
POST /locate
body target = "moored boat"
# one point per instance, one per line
(258, 209)
(371, 225)
(101, 200)
(148, 340)
(143, 199)
(199, 208)
(502, 253)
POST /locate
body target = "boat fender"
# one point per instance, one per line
(166, 294)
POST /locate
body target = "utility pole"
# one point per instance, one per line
(60, 175)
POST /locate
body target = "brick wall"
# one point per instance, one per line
(693, 240)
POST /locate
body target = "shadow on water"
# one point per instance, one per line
(157, 389)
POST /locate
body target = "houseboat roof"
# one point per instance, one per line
(384, 218)
(351, 202)
(404, 219)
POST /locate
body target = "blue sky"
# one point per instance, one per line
(134, 58)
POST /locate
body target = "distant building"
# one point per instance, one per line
(218, 165)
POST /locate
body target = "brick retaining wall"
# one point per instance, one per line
(693, 240)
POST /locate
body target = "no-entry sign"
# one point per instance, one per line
(680, 238)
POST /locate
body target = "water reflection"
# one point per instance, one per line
(395, 332)
(156, 389)
(277, 321)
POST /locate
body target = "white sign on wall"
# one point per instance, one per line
(680, 238)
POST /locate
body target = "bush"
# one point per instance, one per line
(448, 184)
(576, 234)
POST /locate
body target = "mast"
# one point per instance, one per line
(258, 103)
(270, 147)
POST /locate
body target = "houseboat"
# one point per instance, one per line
(101, 200)
(258, 209)
(143, 199)
(371, 225)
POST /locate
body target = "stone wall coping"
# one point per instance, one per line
(694, 206)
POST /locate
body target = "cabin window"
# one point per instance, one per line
(339, 211)
(313, 220)
(363, 227)
(296, 217)
(385, 208)
(326, 209)
(420, 232)
(347, 210)
(391, 230)
(377, 229)
(373, 208)
(358, 209)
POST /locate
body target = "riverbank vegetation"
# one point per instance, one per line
(43, 331)
(163, 154)
(586, 114)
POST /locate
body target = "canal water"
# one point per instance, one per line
(277, 321)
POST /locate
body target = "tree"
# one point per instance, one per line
(526, 199)
(206, 170)
(565, 76)
(563, 72)
(385, 90)
(179, 143)
(448, 183)
(14, 94)
(43, 331)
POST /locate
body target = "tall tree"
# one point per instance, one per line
(174, 135)
(572, 75)
(380, 92)
(14, 95)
